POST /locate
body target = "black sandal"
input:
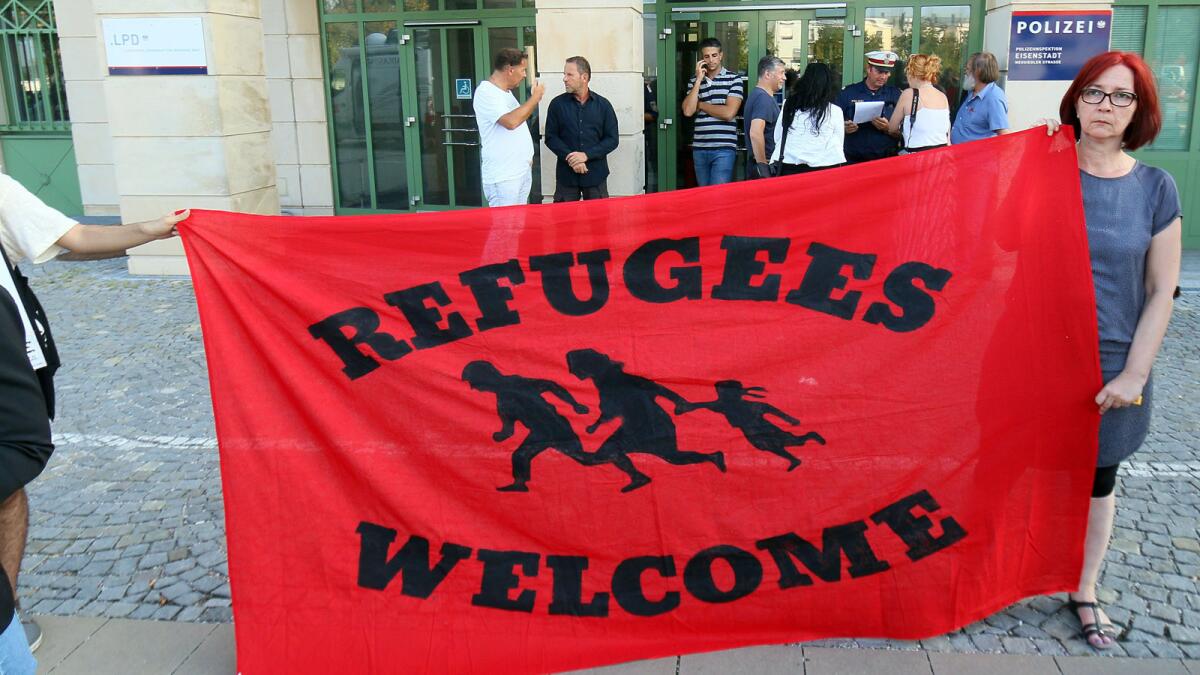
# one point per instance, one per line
(1103, 630)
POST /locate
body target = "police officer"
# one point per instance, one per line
(871, 140)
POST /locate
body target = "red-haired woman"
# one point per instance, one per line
(1135, 236)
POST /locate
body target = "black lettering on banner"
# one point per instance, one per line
(825, 562)
(499, 579)
(639, 271)
(824, 276)
(917, 305)
(567, 594)
(425, 319)
(365, 323)
(491, 297)
(698, 577)
(914, 530)
(627, 585)
(742, 265)
(376, 571)
(556, 281)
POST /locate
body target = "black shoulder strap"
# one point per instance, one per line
(41, 329)
(912, 116)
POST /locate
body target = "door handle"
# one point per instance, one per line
(408, 122)
(666, 122)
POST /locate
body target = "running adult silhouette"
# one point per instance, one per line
(519, 399)
(645, 426)
(751, 418)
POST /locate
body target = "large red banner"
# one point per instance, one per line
(850, 403)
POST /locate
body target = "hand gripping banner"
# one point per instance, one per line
(531, 439)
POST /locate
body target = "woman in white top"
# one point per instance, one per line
(930, 127)
(815, 130)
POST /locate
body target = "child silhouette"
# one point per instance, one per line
(750, 418)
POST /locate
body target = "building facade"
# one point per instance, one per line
(318, 107)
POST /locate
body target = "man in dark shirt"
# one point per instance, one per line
(581, 130)
(868, 141)
(760, 114)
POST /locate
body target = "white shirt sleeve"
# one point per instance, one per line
(29, 228)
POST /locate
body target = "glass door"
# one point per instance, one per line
(369, 115)
(796, 36)
(450, 59)
(739, 40)
(402, 124)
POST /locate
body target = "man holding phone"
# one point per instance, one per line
(714, 97)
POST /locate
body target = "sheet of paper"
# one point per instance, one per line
(865, 111)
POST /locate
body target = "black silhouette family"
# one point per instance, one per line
(645, 426)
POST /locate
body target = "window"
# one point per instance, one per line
(1174, 58)
(944, 31)
(890, 29)
(1129, 29)
(31, 67)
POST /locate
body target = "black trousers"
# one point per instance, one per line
(574, 193)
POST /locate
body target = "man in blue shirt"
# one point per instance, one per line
(868, 141)
(581, 129)
(984, 113)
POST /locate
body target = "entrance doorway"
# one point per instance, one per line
(835, 33)
(798, 36)
(403, 129)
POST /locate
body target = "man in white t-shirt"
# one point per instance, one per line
(30, 230)
(506, 145)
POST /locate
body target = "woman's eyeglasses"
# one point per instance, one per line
(1120, 99)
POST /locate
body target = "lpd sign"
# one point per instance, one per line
(1053, 45)
(155, 46)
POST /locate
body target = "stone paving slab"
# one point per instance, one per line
(829, 661)
(214, 656)
(61, 636)
(125, 647)
(998, 664)
(96, 646)
(127, 521)
(748, 661)
(1076, 665)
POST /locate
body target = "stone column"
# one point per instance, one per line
(1028, 101)
(84, 71)
(601, 32)
(200, 141)
(296, 87)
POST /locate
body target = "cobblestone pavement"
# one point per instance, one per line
(127, 520)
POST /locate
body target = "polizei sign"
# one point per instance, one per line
(1048, 45)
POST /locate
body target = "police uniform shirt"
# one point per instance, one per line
(868, 142)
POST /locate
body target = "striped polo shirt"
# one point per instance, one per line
(711, 132)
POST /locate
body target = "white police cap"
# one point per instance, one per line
(882, 59)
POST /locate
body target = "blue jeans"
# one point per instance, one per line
(714, 166)
(15, 657)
